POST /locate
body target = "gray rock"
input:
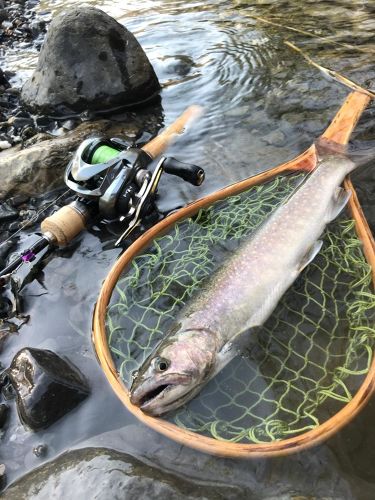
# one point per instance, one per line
(40, 166)
(258, 479)
(99, 473)
(3, 14)
(89, 61)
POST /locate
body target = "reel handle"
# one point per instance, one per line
(160, 143)
(186, 171)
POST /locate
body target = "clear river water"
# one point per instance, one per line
(263, 105)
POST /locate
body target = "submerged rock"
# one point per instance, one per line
(107, 474)
(46, 386)
(89, 62)
(4, 410)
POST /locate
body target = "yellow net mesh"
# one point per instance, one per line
(302, 367)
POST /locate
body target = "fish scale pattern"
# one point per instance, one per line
(306, 362)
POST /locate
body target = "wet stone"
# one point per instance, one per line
(3, 477)
(5, 249)
(7, 213)
(18, 200)
(5, 145)
(3, 79)
(109, 474)
(4, 410)
(46, 386)
(13, 227)
(4, 334)
(40, 451)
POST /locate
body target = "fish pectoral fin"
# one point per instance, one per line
(310, 255)
(241, 343)
(339, 202)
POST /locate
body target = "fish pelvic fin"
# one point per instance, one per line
(310, 255)
(339, 202)
(239, 345)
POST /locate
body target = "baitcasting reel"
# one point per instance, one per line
(115, 177)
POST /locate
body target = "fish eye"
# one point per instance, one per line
(160, 364)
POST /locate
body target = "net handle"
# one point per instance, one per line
(345, 120)
(347, 116)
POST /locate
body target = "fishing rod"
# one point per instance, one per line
(112, 180)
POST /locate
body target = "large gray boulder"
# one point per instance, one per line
(89, 62)
(100, 473)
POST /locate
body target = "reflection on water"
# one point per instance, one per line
(263, 104)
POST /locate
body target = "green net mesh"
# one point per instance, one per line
(302, 367)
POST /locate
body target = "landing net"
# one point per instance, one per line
(300, 369)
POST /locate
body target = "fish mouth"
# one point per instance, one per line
(152, 397)
(153, 394)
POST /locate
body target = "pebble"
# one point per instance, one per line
(3, 477)
(3, 15)
(5, 145)
(14, 226)
(40, 451)
(4, 410)
(7, 213)
(18, 199)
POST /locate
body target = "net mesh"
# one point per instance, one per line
(307, 361)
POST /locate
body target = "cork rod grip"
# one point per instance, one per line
(64, 225)
(156, 146)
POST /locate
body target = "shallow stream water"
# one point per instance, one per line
(263, 105)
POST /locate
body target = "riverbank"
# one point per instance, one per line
(20, 28)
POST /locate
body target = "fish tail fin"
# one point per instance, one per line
(325, 147)
(355, 158)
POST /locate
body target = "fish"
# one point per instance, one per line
(237, 299)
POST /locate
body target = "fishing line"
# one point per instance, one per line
(331, 74)
(312, 35)
(35, 217)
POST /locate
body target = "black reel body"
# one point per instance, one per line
(115, 176)
(113, 183)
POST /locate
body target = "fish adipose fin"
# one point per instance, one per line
(339, 202)
(310, 255)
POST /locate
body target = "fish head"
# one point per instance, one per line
(174, 372)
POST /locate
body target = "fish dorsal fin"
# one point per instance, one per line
(310, 255)
(340, 199)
